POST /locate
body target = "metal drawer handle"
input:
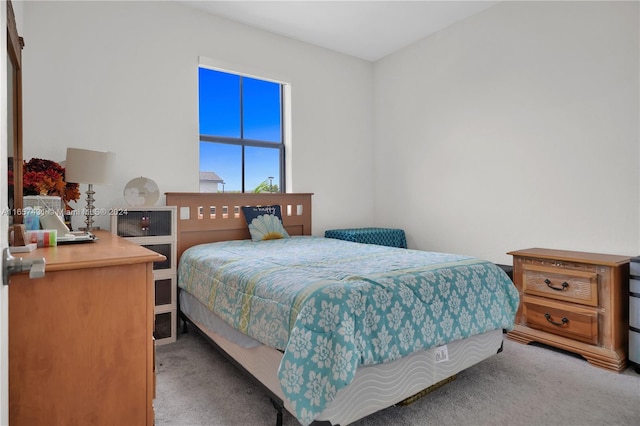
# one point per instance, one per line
(565, 285)
(564, 320)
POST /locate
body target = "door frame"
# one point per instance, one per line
(4, 223)
(12, 58)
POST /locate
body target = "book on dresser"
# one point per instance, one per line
(575, 301)
(155, 228)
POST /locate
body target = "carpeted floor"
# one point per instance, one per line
(523, 385)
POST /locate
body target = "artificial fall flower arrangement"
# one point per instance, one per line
(46, 177)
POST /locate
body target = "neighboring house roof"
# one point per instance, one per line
(210, 176)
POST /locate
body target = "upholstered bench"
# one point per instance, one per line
(380, 236)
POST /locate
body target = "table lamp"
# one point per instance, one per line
(89, 167)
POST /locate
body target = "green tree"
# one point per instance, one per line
(264, 187)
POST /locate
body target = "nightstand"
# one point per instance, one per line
(379, 236)
(575, 301)
(155, 229)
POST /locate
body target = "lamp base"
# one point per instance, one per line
(93, 228)
(90, 212)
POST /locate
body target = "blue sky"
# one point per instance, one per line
(220, 115)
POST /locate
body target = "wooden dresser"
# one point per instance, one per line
(81, 348)
(575, 301)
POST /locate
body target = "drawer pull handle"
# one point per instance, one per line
(564, 320)
(565, 285)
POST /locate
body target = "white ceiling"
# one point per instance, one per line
(368, 30)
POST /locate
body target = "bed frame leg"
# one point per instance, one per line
(185, 329)
(278, 408)
(181, 316)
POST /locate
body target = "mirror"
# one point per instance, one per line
(15, 44)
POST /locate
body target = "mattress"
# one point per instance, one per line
(333, 306)
(374, 387)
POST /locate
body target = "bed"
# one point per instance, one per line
(333, 330)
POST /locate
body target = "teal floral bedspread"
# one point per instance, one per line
(333, 305)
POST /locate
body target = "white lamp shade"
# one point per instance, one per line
(86, 166)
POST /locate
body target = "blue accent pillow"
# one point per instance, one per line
(265, 222)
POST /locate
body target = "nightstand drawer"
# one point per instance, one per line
(561, 284)
(570, 321)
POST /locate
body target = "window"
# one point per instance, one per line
(241, 133)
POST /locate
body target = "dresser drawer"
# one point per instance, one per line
(575, 322)
(561, 284)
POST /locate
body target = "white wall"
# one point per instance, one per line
(122, 76)
(515, 128)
